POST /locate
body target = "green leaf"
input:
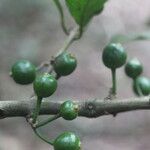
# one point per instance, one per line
(83, 10)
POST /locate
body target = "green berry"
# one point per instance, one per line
(141, 86)
(64, 64)
(69, 110)
(133, 68)
(44, 85)
(114, 56)
(67, 141)
(23, 72)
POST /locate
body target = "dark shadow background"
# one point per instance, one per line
(30, 29)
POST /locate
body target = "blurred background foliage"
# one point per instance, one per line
(30, 29)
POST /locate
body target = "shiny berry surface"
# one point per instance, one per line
(44, 85)
(133, 68)
(67, 141)
(23, 72)
(141, 86)
(69, 110)
(64, 64)
(114, 56)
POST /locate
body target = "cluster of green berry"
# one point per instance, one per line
(114, 56)
(44, 85)
(141, 84)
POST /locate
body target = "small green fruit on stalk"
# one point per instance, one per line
(23, 72)
(64, 64)
(133, 68)
(67, 141)
(69, 110)
(114, 56)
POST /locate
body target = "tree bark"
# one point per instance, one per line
(87, 108)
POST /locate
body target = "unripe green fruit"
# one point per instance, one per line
(64, 64)
(23, 72)
(133, 68)
(44, 85)
(69, 110)
(141, 86)
(67, 141)
(114, 56)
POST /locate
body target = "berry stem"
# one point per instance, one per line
(71, 38)
(41, 137)
(37, 109)
(58, 5)
(114, 86)
(138, 88)
(42, 123)
(42, 65)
